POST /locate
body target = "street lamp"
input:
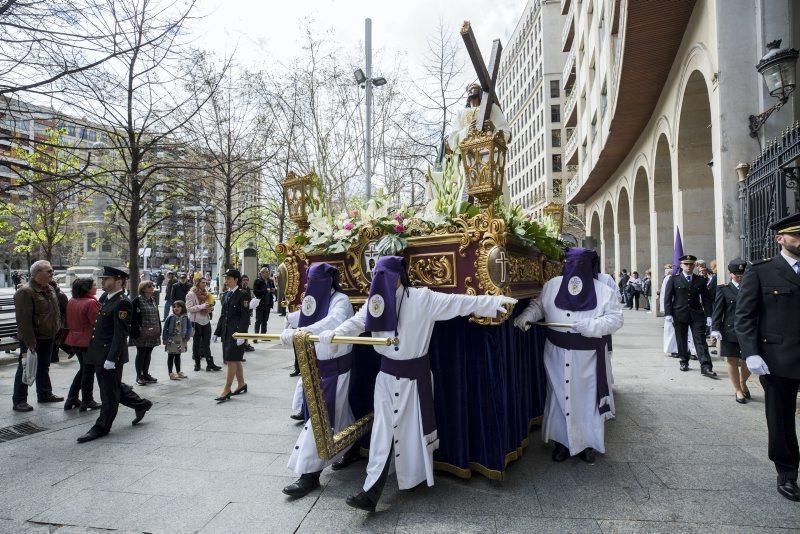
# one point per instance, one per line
(366, 81)
(198, 245)
(778, 67)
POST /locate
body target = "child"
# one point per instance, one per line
(177, 331)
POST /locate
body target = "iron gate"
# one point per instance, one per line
(769, 193)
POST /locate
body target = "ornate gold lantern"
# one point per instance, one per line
(483, 155)
(300, 194)
(556, 211)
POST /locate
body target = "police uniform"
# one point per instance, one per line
(689, 304)
(722, 319)
(109, 342)
(235, 318)
(767, 327)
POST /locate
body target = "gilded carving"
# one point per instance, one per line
(294, 260)
(433, 269)
(524, 269)
(355, 254)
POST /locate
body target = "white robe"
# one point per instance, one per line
(398, 418)
(304, 457)
(464, 118)
(670, 342)
(571, 415)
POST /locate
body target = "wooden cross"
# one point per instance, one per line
(487, 78)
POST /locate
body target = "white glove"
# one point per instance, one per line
(108, 365)
(326, 337)
(708, 321)
(501, 300)
(239, 342)
(522, 323)
(716, 335)
(757, 365)
(669, 319)
(254, 303)
(287, 336)
(214, 339)
(582, 327)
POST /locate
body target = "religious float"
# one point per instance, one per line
(489, 378)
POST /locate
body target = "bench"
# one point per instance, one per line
(8, 324)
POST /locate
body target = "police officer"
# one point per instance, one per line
(767, 327)
(688, 305)
(235, 317)
(108, 352)
(722, 329)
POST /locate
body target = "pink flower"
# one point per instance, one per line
(348, 226)
(399, 228)
(354, 213)
(398, 217)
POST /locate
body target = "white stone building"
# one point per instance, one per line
(529, 90)
(659, 94)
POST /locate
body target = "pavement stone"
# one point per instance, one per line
(682, 457)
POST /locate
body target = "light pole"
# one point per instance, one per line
(368, 82)
(197, 243)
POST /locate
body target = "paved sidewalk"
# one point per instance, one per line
(682, 457)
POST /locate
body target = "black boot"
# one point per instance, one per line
(196, 364)
(588, 455)
(303, 485)
(352, 455)
(560, 453)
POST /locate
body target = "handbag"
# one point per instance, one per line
(150, 331)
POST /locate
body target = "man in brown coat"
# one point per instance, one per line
(38, 323)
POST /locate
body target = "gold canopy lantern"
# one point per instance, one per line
(483, 155)
(300, 192)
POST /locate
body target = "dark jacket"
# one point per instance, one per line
(722, 320)
(712, 286)
(264, 291)
(235, 317)
(111, 330)
(136, 318)
(178, 291)
(767, 315)
(37, 312)
(687, 301)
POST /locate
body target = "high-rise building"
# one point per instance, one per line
(529, 89)
(658, 98)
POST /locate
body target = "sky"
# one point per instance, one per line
(264, 31)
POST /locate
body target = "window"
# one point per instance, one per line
(556, 162)
(554, 89)
(555, 113)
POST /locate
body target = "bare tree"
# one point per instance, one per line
(136, 100)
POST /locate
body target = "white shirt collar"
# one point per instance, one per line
(788, 258)
(109, 296)
(735, 284)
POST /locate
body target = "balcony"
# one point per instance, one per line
(572, 183)
(568, 33)
(570, 109)
(565, 5)
(568, 74)
(570, 152)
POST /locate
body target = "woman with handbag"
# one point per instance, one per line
(81, 315)
(145, 331)
(200, 304)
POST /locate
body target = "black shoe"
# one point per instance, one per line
(588, 455)
(239, 391)
(141, 381)
(297, 416)
(249, 348)
(707, 372)
(91, 435)
(302, 486)
(51, 398)
(675, 355)
(71, 403)
(149, 379)
(91, 405)
(140, 413)
(361, 501)
(22, 407)
(693, 357)
(197, 367)
(294, 373)
(684, 366)
(351, 456)
(746, 392)
(789, 490)
(223, 398)
(560, 454)
(740, 400)
(256, 341)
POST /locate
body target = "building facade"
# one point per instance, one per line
(529, 89)
(656, 107)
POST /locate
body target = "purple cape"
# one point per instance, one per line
(381, 305)
(577, 291)
(322, 277)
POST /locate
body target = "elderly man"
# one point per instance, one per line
(38, 322)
